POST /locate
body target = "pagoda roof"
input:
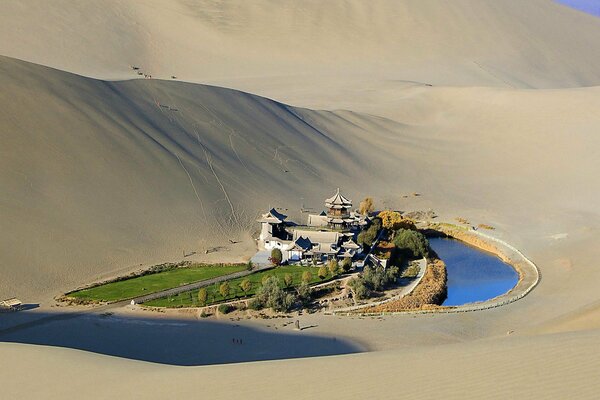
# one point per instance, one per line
(350, 244)
(273, 216)
(338, 200)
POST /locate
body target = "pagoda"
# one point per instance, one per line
(338, 211)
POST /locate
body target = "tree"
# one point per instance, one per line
(304, 293)
(322, 272)
(276, 257)
(288, 279)
(202, 296)
(366, 206)
(393, 220)
(347, 264)
(249, 265)
(265, 278)
(368, 236)
(270, 294)
(412, 242)
(360, 289)
(334, 267)
(246, 286)
(306, 277)
(224, 289)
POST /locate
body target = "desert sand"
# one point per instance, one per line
(489, 109)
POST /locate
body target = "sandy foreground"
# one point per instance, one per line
(488, 109)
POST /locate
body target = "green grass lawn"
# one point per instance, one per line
(190, 298)
(146, 284)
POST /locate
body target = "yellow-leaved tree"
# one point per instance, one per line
(393, 220)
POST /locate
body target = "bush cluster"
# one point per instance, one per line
(373, 279)
(276, 257)
(226, 308)
(368, 236)
(271, 295)
(410, 242)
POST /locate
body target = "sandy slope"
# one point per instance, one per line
(311, 53)
(97, 177)
(106, 175)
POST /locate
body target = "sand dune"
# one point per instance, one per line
(106, 175)
(308, 53)
(489, 109)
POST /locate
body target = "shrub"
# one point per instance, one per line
(322, 272)
(225, 308)
(411, 272)
(306, 276)
(334, 267)
(276, 257)
(202, 296)
(249, 266)
(265, 278)
(347, 264)
(224, 289)
(271, 295)
(255, 305)
(304, 293)
(368, 236)
(288, 279)
(373, 279)
(366, 206)
(246, 286)
(360, 289)
(413, 243)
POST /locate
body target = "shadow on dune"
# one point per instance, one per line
(174, 341)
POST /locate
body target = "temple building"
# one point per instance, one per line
(328, 235)
(338, 211)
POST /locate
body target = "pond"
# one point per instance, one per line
(473, 275)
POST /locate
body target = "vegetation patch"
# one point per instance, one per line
(153, 281)
(289, 277)
(430, 292)
(373, 280)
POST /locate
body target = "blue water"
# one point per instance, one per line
(588, 6)
(473, 275)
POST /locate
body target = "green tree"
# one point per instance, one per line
(265, 278)
(368, 235)
(359, 287)
(249, 266)
(334, 267)
(288, 279)
(322, 272)
(306, 277)
(271, 295)
(410, 242)
(304, 293)
(202, 296)
(224, 289)
(347, 264)
(246, 286)
(276, 257)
